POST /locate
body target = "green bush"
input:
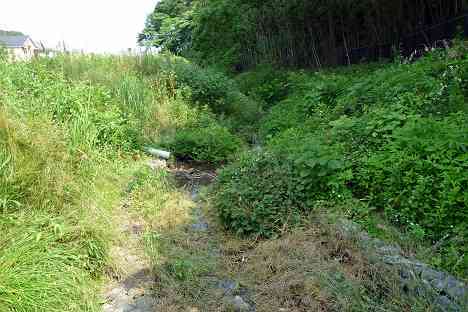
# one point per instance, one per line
(205, 141)
(206, 87)
(266, 84)
(395, 138)
(434, 85)
(253, 195)
(313, 99)
(420, 178)
(421, 174)
(266, 191)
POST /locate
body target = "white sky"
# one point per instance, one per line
(91, 25)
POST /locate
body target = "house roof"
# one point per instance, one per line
(14, 41)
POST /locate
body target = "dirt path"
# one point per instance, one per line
(131, 289)
(198, 272)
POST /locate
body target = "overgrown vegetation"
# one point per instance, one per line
(51, 247)
(384, 144)
(205, 141)
(394, 137)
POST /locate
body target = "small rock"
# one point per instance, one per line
(444, 304)
(200, 226)
(228, 286)
(348, 228)
(128, 308)
(107, 308)
(145, 303)
(389, 250)
(457, 289)
(237, 304)
(205, 178)
(431, 275)
(115, 293)
(157, 164)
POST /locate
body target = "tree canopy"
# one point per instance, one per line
(170, 26)
(10, 33)
(295, 33)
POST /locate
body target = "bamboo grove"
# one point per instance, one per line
(299, 33)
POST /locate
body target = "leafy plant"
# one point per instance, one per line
(266, 84)
(267, 191)
(205, 141)
(419, 178)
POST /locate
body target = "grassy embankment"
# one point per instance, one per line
(70, 132)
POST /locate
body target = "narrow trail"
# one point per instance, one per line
(132, 289)
(226, 293)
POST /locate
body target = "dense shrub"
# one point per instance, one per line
(205, 141)
(313, 99)
(266, 191)
(434, 85)
(266, 84)
(430, 86)
(206, 87)
(393, 137)
(420, 179)
(254, 195)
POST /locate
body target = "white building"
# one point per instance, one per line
(20, 47)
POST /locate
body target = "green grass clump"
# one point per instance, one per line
(40, 272)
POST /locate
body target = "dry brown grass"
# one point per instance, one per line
(281, 272)
(313, 268)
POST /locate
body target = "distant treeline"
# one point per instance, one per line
(10, 33)
(299, 33)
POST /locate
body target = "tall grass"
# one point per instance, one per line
(38, 271)
(68, 127)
